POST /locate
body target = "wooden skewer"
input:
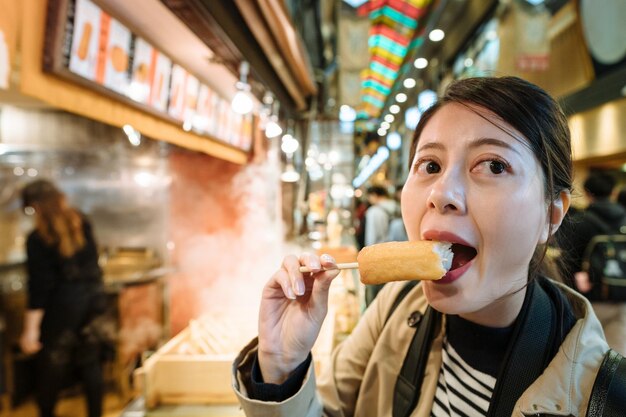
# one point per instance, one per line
(347, 265)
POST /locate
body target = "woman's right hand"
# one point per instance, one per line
(293, 307)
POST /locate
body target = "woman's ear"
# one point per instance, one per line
(559, 208)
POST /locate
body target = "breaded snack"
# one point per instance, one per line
(403, 261)
(83, 46)
(119, 58)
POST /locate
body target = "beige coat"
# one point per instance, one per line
(362, 374)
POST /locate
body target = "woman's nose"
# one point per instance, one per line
(447, 194)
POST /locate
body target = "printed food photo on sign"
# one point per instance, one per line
(177, 92)
(114, 60)
(191, 99)
(159, 92)
(201, 119)
(214, 110)
(143, 71)
(246, 132)
(85, 38)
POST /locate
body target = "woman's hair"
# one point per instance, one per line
(58, 224)
(533, 113)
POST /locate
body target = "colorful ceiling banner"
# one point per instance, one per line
(397, 27)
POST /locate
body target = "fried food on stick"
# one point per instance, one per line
(401, 261)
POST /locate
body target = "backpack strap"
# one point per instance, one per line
(409, 382)
(529, 352)
(608, 396)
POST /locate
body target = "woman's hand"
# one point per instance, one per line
(29, 342)
(293, 308)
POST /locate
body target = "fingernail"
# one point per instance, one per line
(299, 287)
(327, 258)
(290, 294)
(316, 265)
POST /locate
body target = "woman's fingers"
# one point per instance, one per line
(293, 283)
(325, 279)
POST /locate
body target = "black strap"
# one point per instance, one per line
(409, 382)
(608, 396)
(529, 351)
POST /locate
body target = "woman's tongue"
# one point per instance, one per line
(462, 255)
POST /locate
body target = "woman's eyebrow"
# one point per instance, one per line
(431, 145)
(476, 143)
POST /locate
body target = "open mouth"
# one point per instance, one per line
(462, 255)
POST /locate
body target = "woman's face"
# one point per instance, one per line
(472, 184)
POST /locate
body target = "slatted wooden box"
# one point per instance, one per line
(195, 366)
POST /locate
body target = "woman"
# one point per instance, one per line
(64, 296)
(490, 173)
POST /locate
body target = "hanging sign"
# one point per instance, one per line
(533, 42)
(90, 47)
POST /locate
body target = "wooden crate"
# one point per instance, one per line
(173, 376)
(190, 369)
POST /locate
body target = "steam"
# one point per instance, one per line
(222, 270)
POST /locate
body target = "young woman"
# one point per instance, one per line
(64, 296)
(490, 173)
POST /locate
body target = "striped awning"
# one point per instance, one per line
(397, 27)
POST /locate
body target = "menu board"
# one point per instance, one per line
(203, 113)
(142, 71)
(96, 49)
(85, 40)
(177, 92)
(159, 93)
(114, 55)
(191, 98)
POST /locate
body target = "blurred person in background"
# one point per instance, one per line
(397, 230)
(377, 219)
(65, 296)
(601, 217)
(359, 216)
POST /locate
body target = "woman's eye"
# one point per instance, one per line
(495, 166)
(432, 167)
(428, 167)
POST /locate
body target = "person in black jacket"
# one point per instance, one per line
(64, 296)
(581, 226)
(575, 235)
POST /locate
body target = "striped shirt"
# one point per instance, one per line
(461, 390)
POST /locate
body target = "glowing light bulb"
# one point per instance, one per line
(242, 103)
(436, 35)
(273, 129)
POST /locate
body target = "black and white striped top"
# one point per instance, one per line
(461, 390)
(471, 358)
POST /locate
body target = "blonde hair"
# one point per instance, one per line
(58, 224)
